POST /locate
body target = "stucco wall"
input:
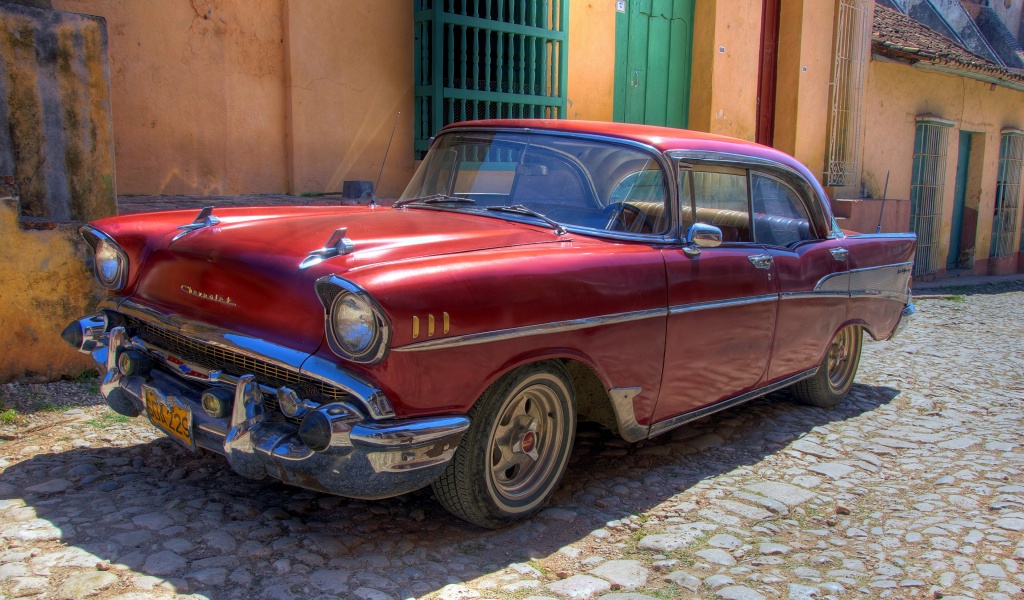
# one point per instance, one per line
(726, 47)
(591, 77)
(198, 94)
(804, 72)
(351, 66)
(896, 95)
(46, 284)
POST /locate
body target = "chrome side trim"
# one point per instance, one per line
(888, 282)
(673, 422)
(812, 295)
(622, 405)
(898, 236)
(685, 308)
(370, 397)
(540, 329)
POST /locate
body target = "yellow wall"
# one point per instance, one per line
(591, 77)
(723, 87)
(896, 95)
(804, 72)
(45, 286)
(351, 72)
(197, 94)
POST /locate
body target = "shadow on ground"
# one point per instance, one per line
(163, 511)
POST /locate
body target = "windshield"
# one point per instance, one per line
(574, 182)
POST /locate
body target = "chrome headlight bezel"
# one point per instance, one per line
(333, 292)
(103, 243)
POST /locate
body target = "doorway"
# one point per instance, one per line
(653, 56)
(767, 72)
(959, 201)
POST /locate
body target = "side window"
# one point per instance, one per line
(780, 217)
(720, 198)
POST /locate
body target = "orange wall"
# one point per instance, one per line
(804, 72)
(723, 87)
(197, 91)
(351, 72)
(896, 95)
(591, 77)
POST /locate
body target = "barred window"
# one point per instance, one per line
(850, 49)
(488, 59)
(1007, 205)
(927, 186)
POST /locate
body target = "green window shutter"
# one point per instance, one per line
(488, 59)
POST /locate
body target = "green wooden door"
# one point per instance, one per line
(653, 49)
(959, 199)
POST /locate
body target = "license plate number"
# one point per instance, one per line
(169, 414)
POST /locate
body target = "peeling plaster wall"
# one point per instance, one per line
(46, 284)
(896, 94)
(55, 115)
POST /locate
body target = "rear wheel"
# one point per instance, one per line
(835, 375)
(515, 452)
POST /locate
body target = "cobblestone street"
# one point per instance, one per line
(912, 488)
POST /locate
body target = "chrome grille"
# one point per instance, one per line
(235, 363)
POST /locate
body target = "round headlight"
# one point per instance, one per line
(355, 325)
(109, 265)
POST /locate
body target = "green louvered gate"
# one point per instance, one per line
(488, 59)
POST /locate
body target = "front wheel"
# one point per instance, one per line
(515, 452)
(832, 382)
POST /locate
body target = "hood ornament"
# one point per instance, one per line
(205, 219)
(337, 245)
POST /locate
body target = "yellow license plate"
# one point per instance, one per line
(169, 414)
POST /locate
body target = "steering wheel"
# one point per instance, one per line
(623, 216)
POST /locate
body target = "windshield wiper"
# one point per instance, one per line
(434, 199)
(519, 209)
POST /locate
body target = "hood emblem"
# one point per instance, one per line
(337, 245)
(205, 219)
(214, 297)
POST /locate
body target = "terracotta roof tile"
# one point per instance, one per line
(900, 37)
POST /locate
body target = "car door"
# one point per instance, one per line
(810, 310)
(722, 300)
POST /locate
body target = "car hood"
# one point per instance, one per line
(243, 273)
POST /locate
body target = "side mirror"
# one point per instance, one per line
(703, 235)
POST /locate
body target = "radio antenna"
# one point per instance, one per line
(373, 198)
(885, 192)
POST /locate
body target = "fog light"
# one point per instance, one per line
(217, 402)
(315, 431)
(133, 362)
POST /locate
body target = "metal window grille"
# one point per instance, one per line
(927, 185)
(1007, 206)
(486, 59)
(849, 56)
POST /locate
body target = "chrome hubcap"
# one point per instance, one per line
(841, 368)
(524, 442)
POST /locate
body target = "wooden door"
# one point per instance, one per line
(653, 50)
(959, 199)
(767, 72)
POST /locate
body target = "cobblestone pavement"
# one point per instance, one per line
(912, 488)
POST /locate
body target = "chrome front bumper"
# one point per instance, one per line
(365, 458)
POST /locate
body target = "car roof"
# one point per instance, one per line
(663, 139)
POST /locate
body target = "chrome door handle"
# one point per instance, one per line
(761, 261)
(839, 254)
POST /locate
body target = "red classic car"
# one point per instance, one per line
(533, 274)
